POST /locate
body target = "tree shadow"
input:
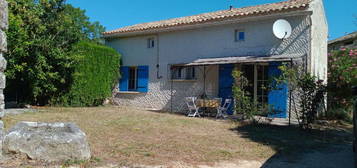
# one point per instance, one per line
(290, 142)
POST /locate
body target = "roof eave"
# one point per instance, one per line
(343, 38)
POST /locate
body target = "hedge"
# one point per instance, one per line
(95, 75)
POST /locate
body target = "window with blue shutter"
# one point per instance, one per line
(143, 78)
(124, 80)
(135, 79)
(239, 35)
(278, 97)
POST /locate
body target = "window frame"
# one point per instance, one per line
(183, 73)
(139, 78)
(237, 35)
(151, 42)
(135, 78)
(190, 73)
(262, 93)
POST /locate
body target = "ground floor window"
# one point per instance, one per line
(262, 84)
(133, 78)
(257, 76)
(183, 73)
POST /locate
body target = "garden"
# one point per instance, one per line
(123, 136)
(58, 64)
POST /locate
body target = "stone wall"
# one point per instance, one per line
(3, 49)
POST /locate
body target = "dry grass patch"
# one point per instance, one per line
(126, 136)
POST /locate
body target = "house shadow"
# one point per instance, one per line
(293, 145)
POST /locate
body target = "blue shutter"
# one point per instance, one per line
(277, 98)
(241, 36)
(143, 78)
(124, 80)
(225, 84)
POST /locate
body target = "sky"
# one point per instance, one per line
(113, 14)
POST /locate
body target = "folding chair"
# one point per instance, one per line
(222, 110)
(192, 108)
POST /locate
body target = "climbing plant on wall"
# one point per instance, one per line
(244, 104)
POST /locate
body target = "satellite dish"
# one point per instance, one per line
(282, 29)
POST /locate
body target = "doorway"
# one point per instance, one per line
(257, 76)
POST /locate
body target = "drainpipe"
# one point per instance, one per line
(204, 81)
(158, 76)
(171, 91)
(309, 58)
(290, 93)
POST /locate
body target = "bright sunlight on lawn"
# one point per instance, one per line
(126, 136)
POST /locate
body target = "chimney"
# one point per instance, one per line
(230, 7)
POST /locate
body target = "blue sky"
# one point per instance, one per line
(114, 14)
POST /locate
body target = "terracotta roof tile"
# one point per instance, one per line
(265, 9)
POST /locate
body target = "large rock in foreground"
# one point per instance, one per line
(47, 141)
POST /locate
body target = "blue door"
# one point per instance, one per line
(278, 97)
(226, 83)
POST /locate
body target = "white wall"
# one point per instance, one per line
(189, 45)
(319, 33)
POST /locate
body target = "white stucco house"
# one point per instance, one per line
(165, 61)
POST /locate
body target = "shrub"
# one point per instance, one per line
(310, 91)
(341, 77)
(338, 114)
(244, 104)
(95, 74)
(312, 94)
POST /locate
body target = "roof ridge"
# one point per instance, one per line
(215, 15)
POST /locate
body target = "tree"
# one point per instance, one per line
(40, 37)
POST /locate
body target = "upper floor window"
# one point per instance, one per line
(183, 73)
(239, 35)
(151, 42)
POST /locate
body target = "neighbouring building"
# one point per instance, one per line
(165, 61)
(347, 41)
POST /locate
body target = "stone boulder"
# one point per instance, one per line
(49, 142)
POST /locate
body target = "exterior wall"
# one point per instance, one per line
(319, 33)
(3, 27)
(352, 43)
(186, 46)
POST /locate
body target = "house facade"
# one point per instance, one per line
(347, 41)
(163, 62)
